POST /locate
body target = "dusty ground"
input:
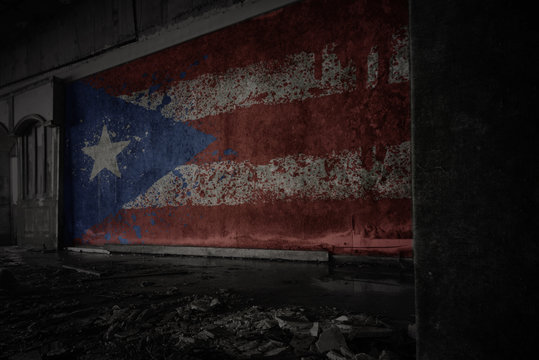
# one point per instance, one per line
(144, 307)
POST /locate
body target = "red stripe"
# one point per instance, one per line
(312, 127)
(353, 227)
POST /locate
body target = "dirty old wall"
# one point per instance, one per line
(287, 131)
(81, 29)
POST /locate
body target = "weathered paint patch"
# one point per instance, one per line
(372, 68)
(334, 177)
(269, 83)
(137, 231)
(399, 67)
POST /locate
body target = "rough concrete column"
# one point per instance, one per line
(474, 118)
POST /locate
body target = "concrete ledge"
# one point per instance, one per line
(94, 250)
(294, 255)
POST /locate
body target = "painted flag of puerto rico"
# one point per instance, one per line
(287, 131)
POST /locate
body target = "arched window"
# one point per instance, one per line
(35, 158)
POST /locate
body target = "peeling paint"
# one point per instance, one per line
(399, 67)
(335, 177)
(273, 82)
(372, 68)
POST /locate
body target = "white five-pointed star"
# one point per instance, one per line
(104, 154)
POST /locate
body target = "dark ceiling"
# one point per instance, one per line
(20, 18)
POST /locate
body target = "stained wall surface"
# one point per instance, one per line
(287, 131)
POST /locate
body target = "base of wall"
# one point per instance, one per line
(266, 254)
(388, 261)
(95, 250)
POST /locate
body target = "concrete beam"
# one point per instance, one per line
(145, 45)
(266, 254)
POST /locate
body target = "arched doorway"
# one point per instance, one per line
(36, 205)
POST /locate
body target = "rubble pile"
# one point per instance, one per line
(210, 324)
(58, 313)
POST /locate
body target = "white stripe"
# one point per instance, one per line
(372, 68)
(335, 177)
(399, 68)
(271, 82)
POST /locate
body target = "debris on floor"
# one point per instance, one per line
(7, 280)
(63, 314)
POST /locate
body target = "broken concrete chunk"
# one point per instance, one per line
(205, 335)
(169, 317)
(346, 352)
(81, 270)
(183, 340)
(126, 333)
(117, 315)
(296, 325)
(333, 355)
(387, 355)
(112, 328)
(251, 353)
(146, 283)
(143, 315)
(55, 349)
(315, 329)
(275, 351)
(272, 344)
(264, 324)
(363, 356)
(133, 315)
(345, 328)
(331, 339)
(30, 355)
(199, 305)
(248, 346)
(302, 343)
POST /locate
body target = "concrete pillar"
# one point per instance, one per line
(475, 165)
(6, 143)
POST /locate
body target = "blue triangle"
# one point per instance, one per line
(156, 146)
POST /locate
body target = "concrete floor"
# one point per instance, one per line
(371, 288)
(387, 293)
